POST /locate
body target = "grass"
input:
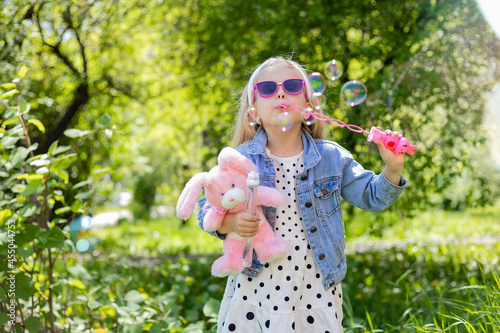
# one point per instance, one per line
(438, 287)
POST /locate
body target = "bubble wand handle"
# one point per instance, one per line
(399, 145)
(252, 186)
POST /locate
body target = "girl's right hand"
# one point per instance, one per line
(246, 224)
(242, 223)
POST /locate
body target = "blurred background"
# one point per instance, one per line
(162, 80)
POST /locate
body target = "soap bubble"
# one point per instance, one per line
(82, 245)
(319, 99)
(251, 116)
(79, 233)
(333, 69)
(353, 93)
(86, 222)
(309, 120)
(284, 121)
(318, 82)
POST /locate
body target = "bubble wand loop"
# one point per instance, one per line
(399, 145)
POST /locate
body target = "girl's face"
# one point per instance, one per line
(267, 108)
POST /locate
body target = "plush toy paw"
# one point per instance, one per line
(273, 250)
(227, 265)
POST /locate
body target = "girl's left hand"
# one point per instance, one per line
(394, 162)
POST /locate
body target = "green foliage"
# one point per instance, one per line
(168, 73)
(37, 202)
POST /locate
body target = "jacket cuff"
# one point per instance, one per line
(391, 188)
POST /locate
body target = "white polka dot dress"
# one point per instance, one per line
(288, 295)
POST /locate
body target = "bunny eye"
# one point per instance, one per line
(233, 186)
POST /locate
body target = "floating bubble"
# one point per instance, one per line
(86, 222)
(309, 119)
(319, 100)
(318, 82)
(353, 93)
(284, 121)
(333, 69)
(82, 245)
(251, 116)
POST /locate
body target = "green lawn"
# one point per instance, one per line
(418, 287)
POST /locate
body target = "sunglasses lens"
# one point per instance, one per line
(293, 86)
(267, 88)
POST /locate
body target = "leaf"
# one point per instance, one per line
(62, 210)
(60, 150)
(33, 324)
(19, 156)
(155, 328)
(79, 272)
(76, 206)
(134, 296)
(24, 107)
(94, 304)
(4, 215)
(32, 187)
(40, 162)
(84, 195)
(211, 308)
(24, 286)
(4, 318)
(52, 238)
(194, 328)
(75, 133)
(78, 284)
(22, 71)
(132, 328)
(107, 311)
(9, 141)
(63, 175)
(9, 93)
(104, 121)
(53, 146)
(28, 210)
(8, 85)
(42, 171)
(38, 124)
(83, 183)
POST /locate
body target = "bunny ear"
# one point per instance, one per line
(190, 193)
(230, 158)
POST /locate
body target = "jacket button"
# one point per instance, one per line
(321, 256)
(313, 229)
(304, 177)
(308, 204)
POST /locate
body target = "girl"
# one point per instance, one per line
(300, 292)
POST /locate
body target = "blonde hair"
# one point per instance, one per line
(242, 130)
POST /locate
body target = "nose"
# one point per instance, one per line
(280, 94)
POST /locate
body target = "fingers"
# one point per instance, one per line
(393, 133)
(247, 224)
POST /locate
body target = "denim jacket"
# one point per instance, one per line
(330, 173)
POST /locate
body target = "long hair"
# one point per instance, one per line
(242, 130)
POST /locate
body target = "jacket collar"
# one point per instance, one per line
(311, 152)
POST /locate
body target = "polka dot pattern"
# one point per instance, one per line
(288, 295)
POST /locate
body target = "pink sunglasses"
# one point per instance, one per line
(269, 88)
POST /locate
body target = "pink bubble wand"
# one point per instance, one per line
(399, 145)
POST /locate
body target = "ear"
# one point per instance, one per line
(190, 193)
(230, 159)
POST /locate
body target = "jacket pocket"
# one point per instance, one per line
(327, 194)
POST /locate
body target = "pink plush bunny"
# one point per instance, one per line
(225, 190)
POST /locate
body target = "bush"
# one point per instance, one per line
(37, 204)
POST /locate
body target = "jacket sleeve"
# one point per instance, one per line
(203, 204)
(368, 191)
